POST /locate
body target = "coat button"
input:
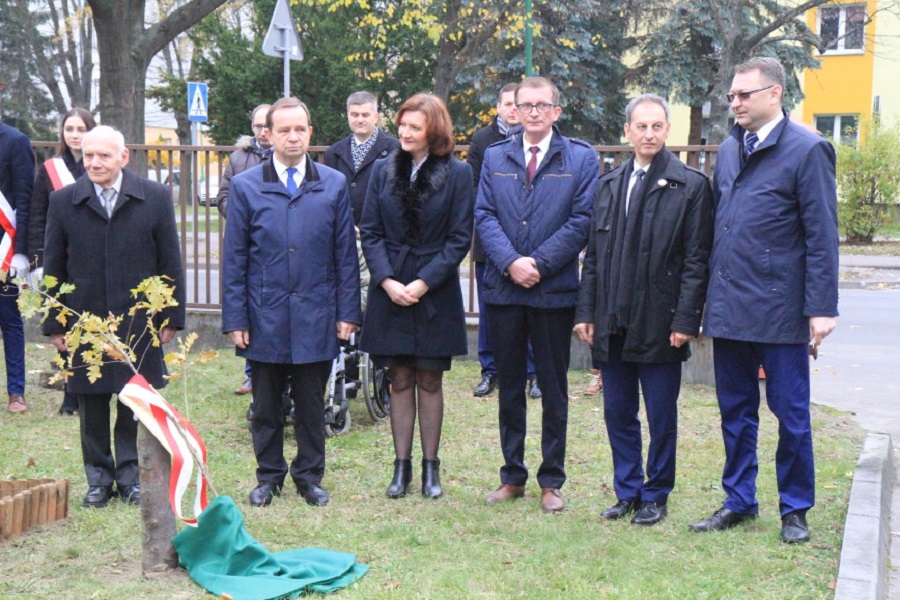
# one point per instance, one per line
(353, 184)
(524, 222)
(293, 293)
(291, 249)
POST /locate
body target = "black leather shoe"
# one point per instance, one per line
(533, 390)
(794, 529)
(431, 478)
(620, 509)
(250, 412)
(721, 520)
(650, 513)
(263, 493)
(313, 494)
(488, 384)
(130, 494)
(97, 497)
(402, 477)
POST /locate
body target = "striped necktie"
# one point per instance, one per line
(750, 143)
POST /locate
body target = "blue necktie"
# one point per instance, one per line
(291, 184)
(750, 143)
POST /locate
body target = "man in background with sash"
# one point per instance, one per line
(16, 184)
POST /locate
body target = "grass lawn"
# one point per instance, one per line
(453, 547)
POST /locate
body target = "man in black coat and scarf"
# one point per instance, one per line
(106, 233)
(641, 299)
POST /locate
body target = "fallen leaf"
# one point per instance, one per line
(392, 585)
(31, 462)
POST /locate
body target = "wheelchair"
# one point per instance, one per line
(374, 383)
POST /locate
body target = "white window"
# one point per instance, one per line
(841, 128)
(842, 28)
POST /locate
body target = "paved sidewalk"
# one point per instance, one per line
(857, 372)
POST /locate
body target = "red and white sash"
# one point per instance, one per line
(8, 225)
(59, 173)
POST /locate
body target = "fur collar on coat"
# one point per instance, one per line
(412, 195)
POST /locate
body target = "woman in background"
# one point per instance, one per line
(55, 174)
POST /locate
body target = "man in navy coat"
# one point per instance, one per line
(772, 291)
(533, 213)
(16, 182)
(291, 290)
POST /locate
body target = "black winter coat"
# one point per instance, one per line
(481, 139)
(105, 258)
(672, 271)
(418, 230)
(340, 156)
(40, 202)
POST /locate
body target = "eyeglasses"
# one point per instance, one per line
(542, 107)
(258, 127)
(745, 95)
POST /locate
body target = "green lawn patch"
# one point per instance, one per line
(454, 547)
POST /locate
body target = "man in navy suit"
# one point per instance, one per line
(353, 156)
(16, 182)
(773, 290)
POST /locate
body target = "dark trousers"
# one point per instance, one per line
(660, 383)
(550, 332)
(13, 338)
(787, 393)
(485, 347)
(99, 465)
(308, 383)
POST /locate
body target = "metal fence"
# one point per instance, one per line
(192, 174)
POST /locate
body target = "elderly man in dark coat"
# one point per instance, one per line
(773, 289)
(640, 302)
(291, 290)
(106, 233)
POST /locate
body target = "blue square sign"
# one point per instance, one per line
(198, 101)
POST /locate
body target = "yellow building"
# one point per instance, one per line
(857, 77)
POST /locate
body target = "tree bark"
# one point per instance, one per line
(126, 47)
(157, 519)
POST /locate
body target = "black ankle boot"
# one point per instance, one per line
(431, 478)
(402, 477)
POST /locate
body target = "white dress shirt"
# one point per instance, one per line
(542, 145)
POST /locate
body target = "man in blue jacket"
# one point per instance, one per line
(16, 183)
(533, 213)
(772, 291)
(290, 291)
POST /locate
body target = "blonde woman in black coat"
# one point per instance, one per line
(416, 228)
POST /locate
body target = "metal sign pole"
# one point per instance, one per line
(287, 62)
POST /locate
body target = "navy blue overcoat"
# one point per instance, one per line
(290, 270)
(774, 261)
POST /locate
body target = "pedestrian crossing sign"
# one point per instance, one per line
(198, 105)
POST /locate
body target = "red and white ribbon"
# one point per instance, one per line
(177, 436)
(8, 225)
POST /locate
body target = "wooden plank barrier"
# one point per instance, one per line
(29, 503)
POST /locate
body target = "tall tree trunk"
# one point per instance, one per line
(122, 65)
(695, 131)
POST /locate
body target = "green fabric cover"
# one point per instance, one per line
(223, 558)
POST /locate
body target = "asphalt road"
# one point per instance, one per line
(858, 369)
